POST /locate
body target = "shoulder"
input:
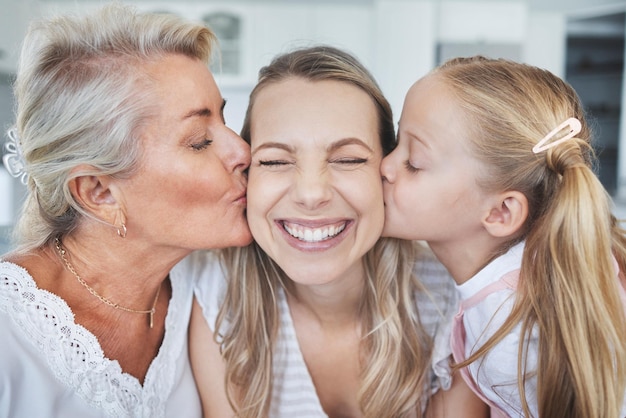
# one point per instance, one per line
(200, 264)
(17, 287)
(208, 279)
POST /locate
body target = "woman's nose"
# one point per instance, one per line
(312, 188)
(237, 152)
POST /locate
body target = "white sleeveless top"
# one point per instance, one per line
(52, 367)
(293, 392)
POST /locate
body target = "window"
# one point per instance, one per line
(227, 28)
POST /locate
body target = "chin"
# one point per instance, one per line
(387, 233)
(240, 240)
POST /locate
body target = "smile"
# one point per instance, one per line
(308, 234)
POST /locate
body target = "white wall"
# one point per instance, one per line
(14, 17)
(405, 46)
(545, 41)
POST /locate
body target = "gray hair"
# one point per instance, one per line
(82, 92)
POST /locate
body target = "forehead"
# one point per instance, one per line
(433, 116)
(182, 83)
(295, 110)
(429, 91)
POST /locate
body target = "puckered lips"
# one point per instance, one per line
(314, 235)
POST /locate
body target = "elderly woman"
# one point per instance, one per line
(129, 168)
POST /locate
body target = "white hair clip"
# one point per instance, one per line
(13, 159)
(574, 128)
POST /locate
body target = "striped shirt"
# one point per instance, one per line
(293, 391)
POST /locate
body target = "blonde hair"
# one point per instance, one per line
(395, 347)
(82, 93)
(567, 291)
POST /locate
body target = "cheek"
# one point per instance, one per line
(407, 196)
(201, 191)
(366, 194)
(372, 219)
(263, 193)
(259, 192)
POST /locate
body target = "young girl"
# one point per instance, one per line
(494, 169)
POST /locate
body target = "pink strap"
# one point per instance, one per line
(508, 281)
(457, 339)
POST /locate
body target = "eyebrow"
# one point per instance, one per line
(332, 147)
(412, 135)
(279, 145)
(348, 141)
(203, 112)
(419, 140)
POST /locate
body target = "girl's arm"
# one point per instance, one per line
(457, 402)
(208, 366)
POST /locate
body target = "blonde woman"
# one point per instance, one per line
(320, 317)
(494, 169)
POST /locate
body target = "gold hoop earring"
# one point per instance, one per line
(121, 232)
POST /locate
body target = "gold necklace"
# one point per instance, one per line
(62, 254)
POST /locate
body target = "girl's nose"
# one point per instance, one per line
(388, 169)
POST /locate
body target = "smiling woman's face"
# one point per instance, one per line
(315, 201)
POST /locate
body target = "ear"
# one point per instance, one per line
(95, 195)
(508, 214)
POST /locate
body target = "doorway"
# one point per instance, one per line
(595, 68)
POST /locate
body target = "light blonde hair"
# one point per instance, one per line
(567, 291)
(395, 349)
(82, 92)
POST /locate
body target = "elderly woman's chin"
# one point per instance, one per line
(231, 230)
(242, 237)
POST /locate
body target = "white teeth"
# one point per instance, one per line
(313, 234)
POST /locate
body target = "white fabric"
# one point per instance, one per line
(293, 392)
(52, 367)
(496, 373)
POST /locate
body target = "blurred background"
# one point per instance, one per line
(398, 40)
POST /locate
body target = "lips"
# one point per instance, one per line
(319, 233)
(242, 195)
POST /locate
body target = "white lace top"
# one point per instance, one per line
(52, 367)
(293, 391)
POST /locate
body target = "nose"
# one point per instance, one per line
(388, 169)
(236, 152)
(312, 189)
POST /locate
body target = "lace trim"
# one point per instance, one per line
(75, 356)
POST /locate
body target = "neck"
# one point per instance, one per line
(333, 303)
(115, 269)
(464, 260)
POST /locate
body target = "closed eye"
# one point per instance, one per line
(202, 144)
(350, 160)
(271, 163)
(410, 168)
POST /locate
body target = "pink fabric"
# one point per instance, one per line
(457, 339)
